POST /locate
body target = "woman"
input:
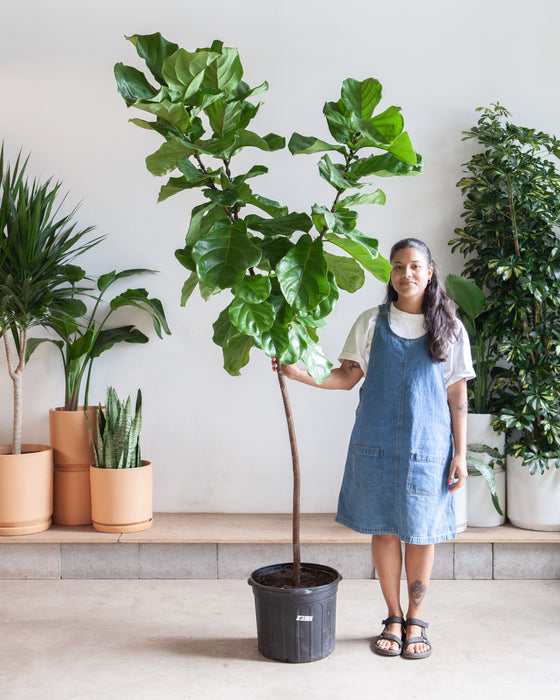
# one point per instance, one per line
(407, 453)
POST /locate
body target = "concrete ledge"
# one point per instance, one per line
(258, 528)
(231, 546)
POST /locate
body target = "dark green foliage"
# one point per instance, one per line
(510, 240)
(274, 262)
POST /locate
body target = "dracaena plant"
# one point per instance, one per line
(511, 216)
(37, 245)
(279, 267)
(84, 336)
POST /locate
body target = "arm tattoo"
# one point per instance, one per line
(463, 408)
(417, 592)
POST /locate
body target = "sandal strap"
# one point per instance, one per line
(393, 619)
(416, 622)
(417, 640)
(390, 637)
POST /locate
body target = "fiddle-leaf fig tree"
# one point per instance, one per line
(283, 270)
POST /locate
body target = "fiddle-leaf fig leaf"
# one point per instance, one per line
(361, 97)
(223, 255)
(347, 272)
(302, 274)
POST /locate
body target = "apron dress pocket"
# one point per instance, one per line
(367, 466)
(425, 474)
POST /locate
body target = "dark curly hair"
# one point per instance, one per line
(437, 307)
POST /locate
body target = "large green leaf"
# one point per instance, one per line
(188, 288)
(402, 149)
(386, 165)
(364, 250)
(318, 365)
(235, 345)
(132, 84)
(468, 296)
(309, 144)
(342, 220)
(347, 272)
(123, 334)
(225, 73)
(302, 274)
(223, 255)
(165, 159)
(333, 174)
(184, 72)
(253, 288)
(281, 225)
(154, 49)
(354, 200)
(269, 206)
(338, 121)
(139, 299)
(251, 318)
(270, 142)
(361, 97)
(224, 116)
(175, 114)
(203, 219)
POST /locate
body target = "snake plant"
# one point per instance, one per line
(118, 433)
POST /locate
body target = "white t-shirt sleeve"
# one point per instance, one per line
(357, 347)
(358, 343)
(459, 361)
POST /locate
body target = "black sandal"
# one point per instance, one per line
(416, 640)
(393, 619)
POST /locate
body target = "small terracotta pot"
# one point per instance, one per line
(121, 499)
(72, 453)
(26, 490)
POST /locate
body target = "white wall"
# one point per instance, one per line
(219, 443)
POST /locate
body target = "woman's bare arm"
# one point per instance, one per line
(344, 377)
(458, 407)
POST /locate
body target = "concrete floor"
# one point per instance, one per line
(148, 639)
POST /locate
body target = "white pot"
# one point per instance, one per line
(461, 512)
(533, 499)
(481, 511)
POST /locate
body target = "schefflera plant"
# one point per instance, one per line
(279, 267)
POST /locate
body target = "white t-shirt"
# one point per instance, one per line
(358, 344)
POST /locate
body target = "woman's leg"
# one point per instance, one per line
(418, 562)
(387, 558)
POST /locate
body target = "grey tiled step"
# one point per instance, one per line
(230, 546)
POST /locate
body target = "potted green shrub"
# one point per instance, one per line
(37, 245)
(512, 209)
(484, 494)
(121, 482)
(278, 267)
(81, 339)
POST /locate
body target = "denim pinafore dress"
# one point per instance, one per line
(397, 468)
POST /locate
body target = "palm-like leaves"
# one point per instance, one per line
(37, 245)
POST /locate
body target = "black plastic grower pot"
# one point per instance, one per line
(295, 624)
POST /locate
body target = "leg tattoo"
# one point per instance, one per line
(417, 592)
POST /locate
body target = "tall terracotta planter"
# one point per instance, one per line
(121, 499)
(72, 455)
(26, 490)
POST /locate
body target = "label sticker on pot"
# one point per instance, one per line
(304, 618)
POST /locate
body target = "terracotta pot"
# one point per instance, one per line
(121, 499)
(26, 490)
(72, 454)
